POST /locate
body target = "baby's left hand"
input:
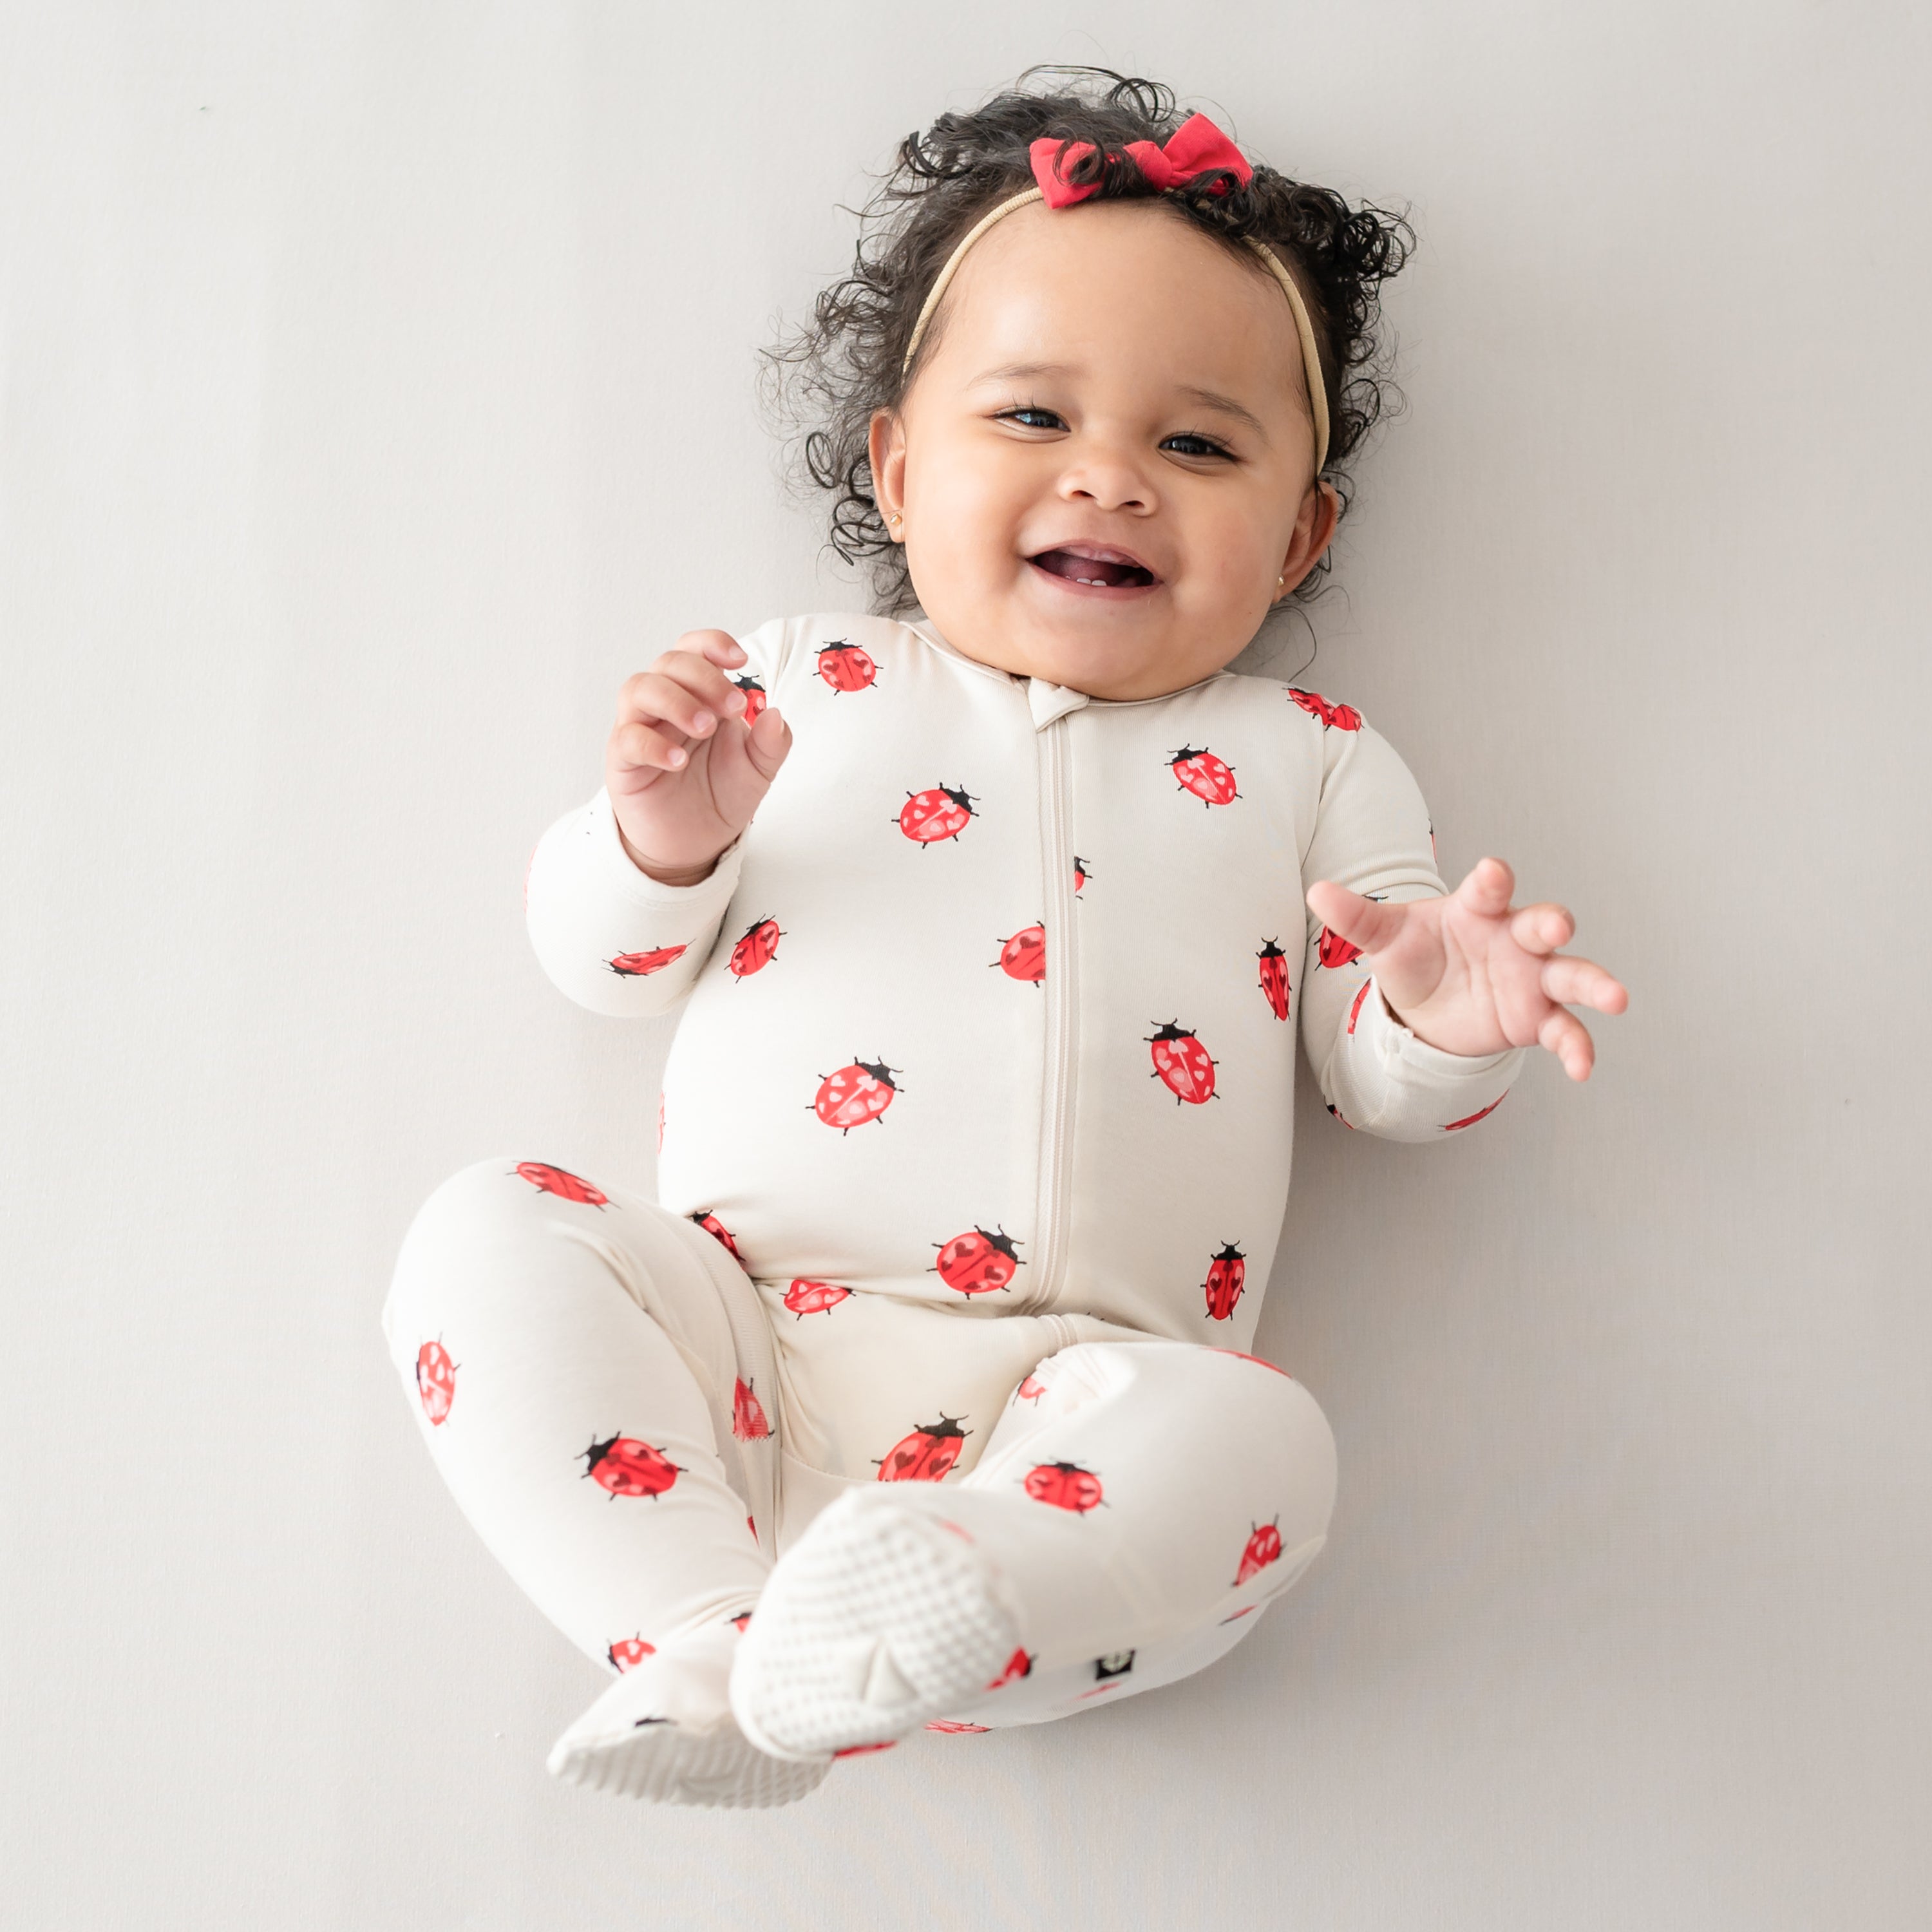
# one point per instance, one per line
(1468, 976)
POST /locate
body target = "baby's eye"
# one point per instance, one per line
(1029, 417)
(1198, 446)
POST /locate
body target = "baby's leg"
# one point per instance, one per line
(576, 1360)
(1134, 1507)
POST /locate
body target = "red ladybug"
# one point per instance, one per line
(1274, 978)
(807, 1297)
(627, 1653)
(1342, 717)
(754, 1528)
(1024, 956)
(1473, 1118)
(1065, 1485)
(747, 1415)
(1018, 1665)
(1081, 874)
(435, 1381)
(1355, 1011)
(926, 1454)
(1349, 1123)
(1226, 1273)
(743, 1617)
(635, 965)
(1031, 1389)
(548, 1180)
(717, 1230)
(845, 667)
(757, 948)
(1239, 1356)
(859, 1750)
(1204, 775)
(1263, 1548)
(1182, 1063)
(755, 696)
(953, 1727)
(976, 1262)
(939, 812)
(626, 1467)
(855, 1094)
(1333, 950)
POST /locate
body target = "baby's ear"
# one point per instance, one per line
(885, 449)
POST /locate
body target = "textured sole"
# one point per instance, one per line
(879, 1619)
(666, 1762)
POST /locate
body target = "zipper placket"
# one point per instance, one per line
(1057, 1109)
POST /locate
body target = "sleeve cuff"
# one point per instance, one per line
(641, 890)
(1413, 1062)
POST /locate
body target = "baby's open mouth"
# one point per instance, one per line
(1100, 569)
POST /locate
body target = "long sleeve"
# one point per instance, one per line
(609, 936)
(1372, 835)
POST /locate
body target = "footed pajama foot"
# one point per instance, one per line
(880, 1619)
(664, 1731)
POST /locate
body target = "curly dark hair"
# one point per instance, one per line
(822, 383)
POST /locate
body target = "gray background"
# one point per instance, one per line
(378, 393)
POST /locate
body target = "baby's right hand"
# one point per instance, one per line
(684, 772)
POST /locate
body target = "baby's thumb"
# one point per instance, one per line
(768, 743)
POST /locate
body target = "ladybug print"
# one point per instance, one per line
(940, 812)
(926, 1454)
(1350, 1124)
(1263, 1548)
(1355, 1011)
(627, 1653)
(1226, 1273)
(1066, 1486)
(855, 1094)
(1341, 717)
(755, 696)
(758, 947)
(1082, 874)
(1333, 950)
(1471, 1120)
(748, 1416)
(954, 1728)
(743, 1617)
(754, 1528)
(1182, 1063)
(566, 1186)
(808, 1297)
(1239, 1356)
(635, 965)
(1031, 1389)
(859, 1750)
(718, 1232)
(845, 667)
(435, 1381)
(1018, 1665)
(1274, 978)
(626, 1467)
(1204, 775)
(976, 1262)
(1024, 956)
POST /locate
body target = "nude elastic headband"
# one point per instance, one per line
(1198, 148)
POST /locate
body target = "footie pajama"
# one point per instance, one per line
(974, 1146)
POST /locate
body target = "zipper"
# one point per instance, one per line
(1057, 1108)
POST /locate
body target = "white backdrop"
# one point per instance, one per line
(377, 393)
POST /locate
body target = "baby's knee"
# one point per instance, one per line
(477, 1213)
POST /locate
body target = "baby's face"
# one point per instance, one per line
(1108, 459)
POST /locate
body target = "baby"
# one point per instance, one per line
(993, 918)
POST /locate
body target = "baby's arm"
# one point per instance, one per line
(1372, 835)
(626, 894)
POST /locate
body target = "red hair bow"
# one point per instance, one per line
(1197, 147)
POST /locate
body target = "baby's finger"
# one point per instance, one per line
(654, 697)
(704, 679)
(1569, 1039)
(720, 647)
(1361, 922)
(768, 746)
(638, 746)
(1572, 982)
(1487, 888)
(1542, 928)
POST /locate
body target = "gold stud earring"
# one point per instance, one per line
(895, 519)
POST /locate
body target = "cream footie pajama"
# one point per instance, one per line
(974, 1143)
